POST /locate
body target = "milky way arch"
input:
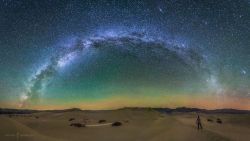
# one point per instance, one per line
(131, 43)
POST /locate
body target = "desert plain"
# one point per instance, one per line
(135, 125)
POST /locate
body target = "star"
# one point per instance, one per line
(244, 72)
(161, 10)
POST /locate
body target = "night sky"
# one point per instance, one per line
(106, 54)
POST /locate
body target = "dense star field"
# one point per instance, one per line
(106, 54)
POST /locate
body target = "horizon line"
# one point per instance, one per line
(127, 108)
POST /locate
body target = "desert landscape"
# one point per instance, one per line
(126, 124)
(125, 70)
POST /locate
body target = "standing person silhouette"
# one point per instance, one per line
(198, 122)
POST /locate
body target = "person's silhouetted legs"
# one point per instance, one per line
(198, 122)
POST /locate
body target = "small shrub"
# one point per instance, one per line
(209, 120)
(116, 123)
(101, 121)
(77, 125)
(71, 119)
(219, 121)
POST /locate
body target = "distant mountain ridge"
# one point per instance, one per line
(186, 110)
(163, 110)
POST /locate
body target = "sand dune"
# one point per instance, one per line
(137, 125)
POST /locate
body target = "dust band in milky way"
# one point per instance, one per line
(187, 56)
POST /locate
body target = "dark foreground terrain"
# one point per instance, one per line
(129, 124)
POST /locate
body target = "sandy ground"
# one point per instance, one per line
(137, 125)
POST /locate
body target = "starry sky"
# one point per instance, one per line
(108, 54)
